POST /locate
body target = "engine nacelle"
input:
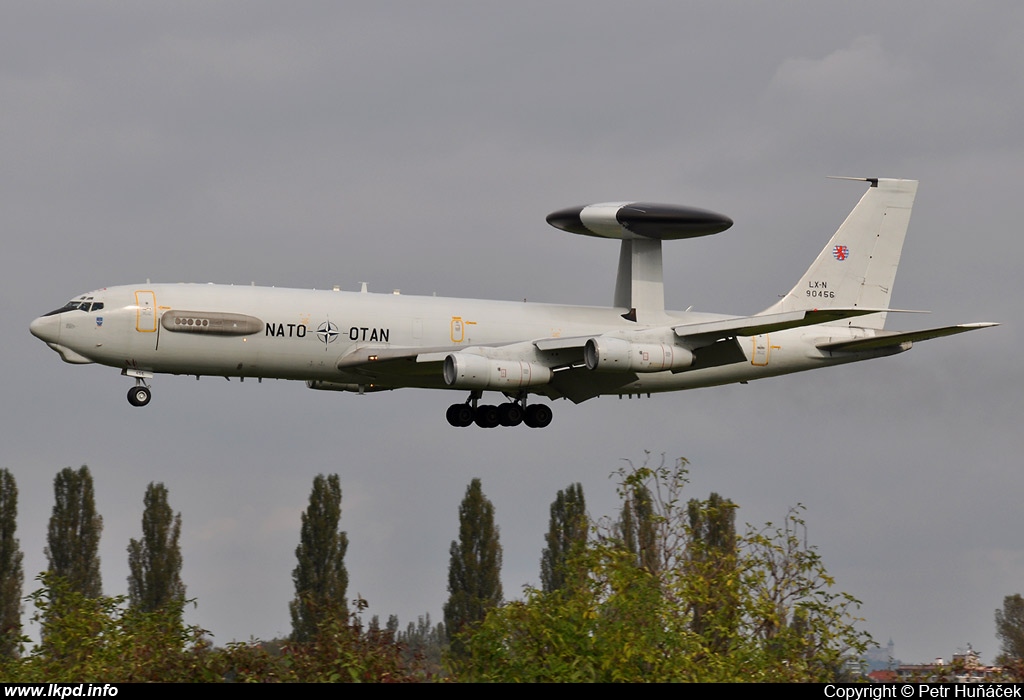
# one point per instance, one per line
(617, 355)
(467, 371)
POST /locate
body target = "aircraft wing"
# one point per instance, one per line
(366, 357)
(564, 355)
(768, 323)
(713, 342)
(560, 343)
(419, 365)
(368, 354)
(893, 339)
(711, 331)
(569, 350)
(393, 366)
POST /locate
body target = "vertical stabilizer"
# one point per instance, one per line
(858, 266)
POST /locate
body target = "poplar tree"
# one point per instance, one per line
(320, 578)
(423, 642)
(474, 570)
(712, 554)
(567, 530)
(637, 527)
(154, 562)
(73, 540)
(1010, 628)
(11, 575)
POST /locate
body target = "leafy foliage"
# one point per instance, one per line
(155, 560)
(11, 575)
(104, 640)
(320, 578)
(474, 569)
(422, 645)
(101, 639)
(567, 531)
(769, 615)
(713, 556)
(73, 539)
(637, 526)
(667, 592)
(342, 651)
(1010, 630)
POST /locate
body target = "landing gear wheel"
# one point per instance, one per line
(460, 415)
(510, 414)
(139, 395)
(538, 415)
(487, 416)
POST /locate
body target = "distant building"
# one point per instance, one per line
(881, 658)
(965, 667)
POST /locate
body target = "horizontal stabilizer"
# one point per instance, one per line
(768, 323)
(887, 340)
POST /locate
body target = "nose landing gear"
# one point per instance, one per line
(140, 394)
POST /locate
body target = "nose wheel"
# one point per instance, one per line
(139, 395)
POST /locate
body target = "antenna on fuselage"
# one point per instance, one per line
(641, 226)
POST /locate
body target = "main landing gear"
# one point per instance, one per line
(460, 415)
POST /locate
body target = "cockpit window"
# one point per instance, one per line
(82, 304)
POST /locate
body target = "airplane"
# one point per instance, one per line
(366, 342)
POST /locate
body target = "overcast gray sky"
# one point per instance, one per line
(419, 146)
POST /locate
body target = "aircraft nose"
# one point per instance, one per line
(46, 328)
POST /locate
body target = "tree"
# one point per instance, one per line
(1010, 628)
(94, 638)
(101, 640)
(422, 644)
(155, 561)
(320, 578)
(637, 528)
(73, 539)
(474, 570)
(567, 530)
(617, 621)
(11, 575)
(713, 555)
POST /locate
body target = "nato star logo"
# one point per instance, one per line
(327, 332)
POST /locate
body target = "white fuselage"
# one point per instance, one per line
(304, 334)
